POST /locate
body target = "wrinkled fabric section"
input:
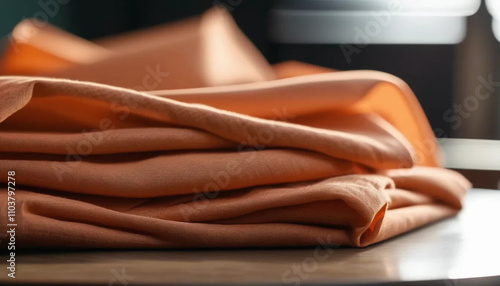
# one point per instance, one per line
(182, 136)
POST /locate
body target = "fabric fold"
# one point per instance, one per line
(218, 150)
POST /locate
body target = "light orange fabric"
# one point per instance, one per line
(203, 51)
(226, 153)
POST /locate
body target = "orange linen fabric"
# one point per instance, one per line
(225, 151)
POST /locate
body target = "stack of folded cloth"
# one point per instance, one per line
(183, 136)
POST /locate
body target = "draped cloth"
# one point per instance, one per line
(183, 136)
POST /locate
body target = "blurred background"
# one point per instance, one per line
(445, 50)
(440, 62)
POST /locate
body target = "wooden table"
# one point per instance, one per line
(464, 250)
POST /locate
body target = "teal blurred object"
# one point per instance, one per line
(14, 11)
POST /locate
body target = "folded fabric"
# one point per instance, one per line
(225, 151)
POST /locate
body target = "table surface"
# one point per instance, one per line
(463, 250)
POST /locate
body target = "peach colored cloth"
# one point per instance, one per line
(225, 151)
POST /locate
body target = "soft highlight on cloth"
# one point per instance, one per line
(182, 136)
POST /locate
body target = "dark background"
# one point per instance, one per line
(438, 74)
